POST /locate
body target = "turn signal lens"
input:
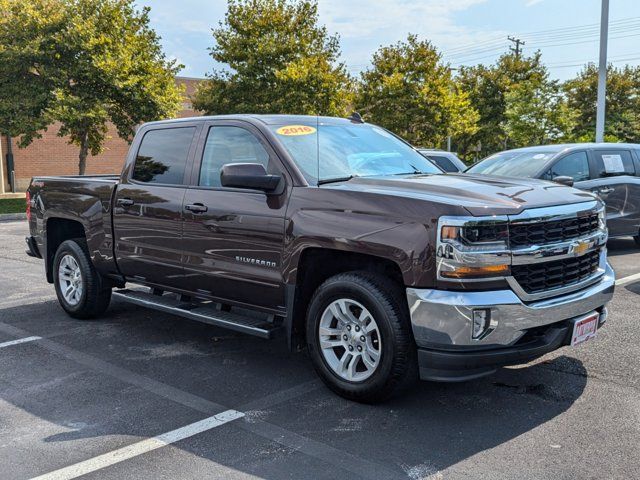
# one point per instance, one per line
(477, 272)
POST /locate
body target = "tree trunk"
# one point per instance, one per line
(84, 152)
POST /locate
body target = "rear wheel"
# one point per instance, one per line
(79, 287)
(359, 337)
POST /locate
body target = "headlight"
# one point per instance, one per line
(476, 235)
(473, 248)
(602, 219)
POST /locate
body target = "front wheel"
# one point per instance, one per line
(359, 337)
(79, 287)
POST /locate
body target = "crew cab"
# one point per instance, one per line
(337, 235)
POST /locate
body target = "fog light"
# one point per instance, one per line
(481, 322)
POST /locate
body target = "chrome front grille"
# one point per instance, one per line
(545, 232)
(541, 277)
(550, 251)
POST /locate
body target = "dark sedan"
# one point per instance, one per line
(611, 170)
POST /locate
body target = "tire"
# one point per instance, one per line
(72, 267)
(388, 334)
(637, 239)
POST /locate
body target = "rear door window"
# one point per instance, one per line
(612, 163)
(443, 162)
(574, 165)
(162, 156)
(229, 145)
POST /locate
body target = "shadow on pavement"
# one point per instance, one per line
(429, 428)
(622, 246)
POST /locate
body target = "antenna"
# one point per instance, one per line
(355, 117)
(318, 147)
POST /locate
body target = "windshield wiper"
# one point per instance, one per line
(336, 179)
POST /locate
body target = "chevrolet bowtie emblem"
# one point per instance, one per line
(580, 247)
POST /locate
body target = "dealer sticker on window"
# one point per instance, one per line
(613, 163)
(293, 130)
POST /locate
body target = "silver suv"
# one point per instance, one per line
(611, 170)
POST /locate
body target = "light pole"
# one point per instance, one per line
(451, 70)
(602, 71)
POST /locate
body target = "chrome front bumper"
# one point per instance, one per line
(442, 320)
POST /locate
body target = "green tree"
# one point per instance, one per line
(81, 63)
(501, 93)
(279, 61)
(622, 118)
(536, 112)
(411, 92)
(485, 87)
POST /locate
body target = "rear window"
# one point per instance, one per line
(162, 156)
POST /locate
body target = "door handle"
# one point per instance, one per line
(196, 208)
(125, 202)
(606, 190)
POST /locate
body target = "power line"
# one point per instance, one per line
(570, 30)
(578, 43)
(586, 62)
(544, 42)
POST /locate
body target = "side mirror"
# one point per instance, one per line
(564, 180)
(248, 175)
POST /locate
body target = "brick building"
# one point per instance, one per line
(52, 155)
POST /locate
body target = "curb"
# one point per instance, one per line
(5, 217)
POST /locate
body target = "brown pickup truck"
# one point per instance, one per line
(337, 235)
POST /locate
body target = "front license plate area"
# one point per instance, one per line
(584, 328)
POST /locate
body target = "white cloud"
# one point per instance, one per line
(364, 25)
(531, 3)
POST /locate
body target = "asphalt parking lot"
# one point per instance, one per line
(87, 398)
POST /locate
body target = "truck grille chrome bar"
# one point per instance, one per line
(540, 277)
(541, 233)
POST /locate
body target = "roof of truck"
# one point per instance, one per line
(267, 119)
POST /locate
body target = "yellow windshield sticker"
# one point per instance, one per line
(293, 130)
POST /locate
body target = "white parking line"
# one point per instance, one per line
(629, 279)
(19, 341)
(125, 453)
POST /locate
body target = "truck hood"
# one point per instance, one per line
(478, 194)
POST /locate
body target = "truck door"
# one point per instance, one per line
(233, 238)
(147, 215)
(619, 188)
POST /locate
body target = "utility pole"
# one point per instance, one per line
(517, 50)
(602, 71)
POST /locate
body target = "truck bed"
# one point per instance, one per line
(76, 200)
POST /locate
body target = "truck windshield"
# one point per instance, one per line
(330, 152)
(513, 164)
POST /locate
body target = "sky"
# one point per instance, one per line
(466, 32)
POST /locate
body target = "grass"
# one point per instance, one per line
(12, 205)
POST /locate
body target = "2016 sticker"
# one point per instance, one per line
(293, 130)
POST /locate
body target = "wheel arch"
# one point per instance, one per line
(58, 230)
(317, 264)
